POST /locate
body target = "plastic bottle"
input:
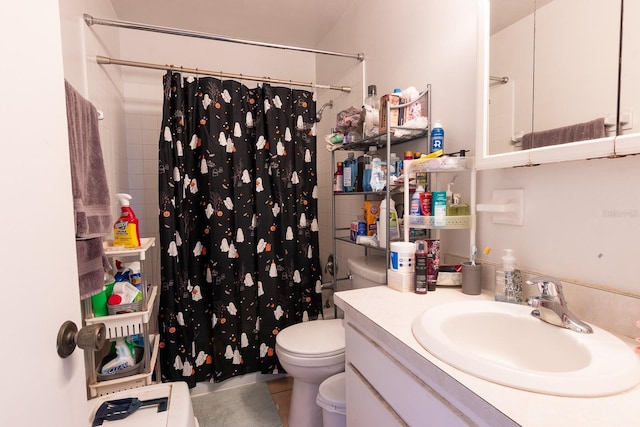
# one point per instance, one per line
(372, 112)
(125, 231)
(357, 186)
(366, 173)
(398, 92)
(415, 198)
(350, 171)
(421, 267)
(378, 179)
(124, 358)
(338, 179)
(437, 137)
(393, 165)
(508, 286)
(388, 222)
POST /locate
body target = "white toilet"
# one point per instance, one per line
(367, 271)
(313, 351)
(310, 352)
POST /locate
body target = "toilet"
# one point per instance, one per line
(313, 351)
(367, 271)
(310, 352)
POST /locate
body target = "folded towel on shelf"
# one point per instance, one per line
(91, 201)
(92, 264)
(578, 132)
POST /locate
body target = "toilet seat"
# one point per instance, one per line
(313, 339)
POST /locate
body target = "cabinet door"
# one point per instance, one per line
(365, 407)
(414, 401)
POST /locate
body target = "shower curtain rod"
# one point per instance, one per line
(90, 20)
(106, 60)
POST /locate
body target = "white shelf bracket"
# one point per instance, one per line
(506, 205)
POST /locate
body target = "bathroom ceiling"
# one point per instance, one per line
(292, 22)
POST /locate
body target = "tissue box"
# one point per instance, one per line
(400, 281)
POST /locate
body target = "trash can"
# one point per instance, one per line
(332, 398)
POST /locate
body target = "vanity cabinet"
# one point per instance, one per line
(381, 391)
(392, 381)
(127, 324)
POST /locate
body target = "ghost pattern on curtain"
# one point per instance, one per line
(238, 225)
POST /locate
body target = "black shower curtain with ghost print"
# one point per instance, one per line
(238, 225)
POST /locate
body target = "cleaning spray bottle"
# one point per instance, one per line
(124, 358)
(125, 230)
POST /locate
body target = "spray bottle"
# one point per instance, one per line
(125, 230)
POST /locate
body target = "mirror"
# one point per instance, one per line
(628, 141)
(550, 81)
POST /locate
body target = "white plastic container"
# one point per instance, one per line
(332, 398)
(403, 256)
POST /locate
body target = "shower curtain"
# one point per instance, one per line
(238, 225)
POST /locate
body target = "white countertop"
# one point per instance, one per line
(391, 313)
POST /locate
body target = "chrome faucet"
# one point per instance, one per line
(551, 306)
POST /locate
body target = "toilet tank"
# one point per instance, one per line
(367, 271)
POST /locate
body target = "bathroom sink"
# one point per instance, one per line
(503, 343)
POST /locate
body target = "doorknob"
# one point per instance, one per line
(90, 338)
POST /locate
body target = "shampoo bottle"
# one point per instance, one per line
(338, 179)
(125, 230)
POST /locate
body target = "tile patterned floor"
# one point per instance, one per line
(280, 390)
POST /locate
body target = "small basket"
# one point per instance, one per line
(124, 308)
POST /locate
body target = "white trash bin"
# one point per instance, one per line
(332, 398)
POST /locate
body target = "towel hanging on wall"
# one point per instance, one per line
(91, 204)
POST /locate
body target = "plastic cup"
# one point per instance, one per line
(471, 278)
(99, 303)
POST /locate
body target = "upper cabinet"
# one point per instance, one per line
(628, 141)
(549, 78)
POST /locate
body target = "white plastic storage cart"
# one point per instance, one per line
(126, 324)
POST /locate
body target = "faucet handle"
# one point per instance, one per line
(549, 287)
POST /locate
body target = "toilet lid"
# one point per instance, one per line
(316, 338)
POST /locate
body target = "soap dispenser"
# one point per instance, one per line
(508, 286)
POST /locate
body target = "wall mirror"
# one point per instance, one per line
(628, 140)
(549, 81)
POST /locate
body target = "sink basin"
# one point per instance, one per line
(503, 343)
